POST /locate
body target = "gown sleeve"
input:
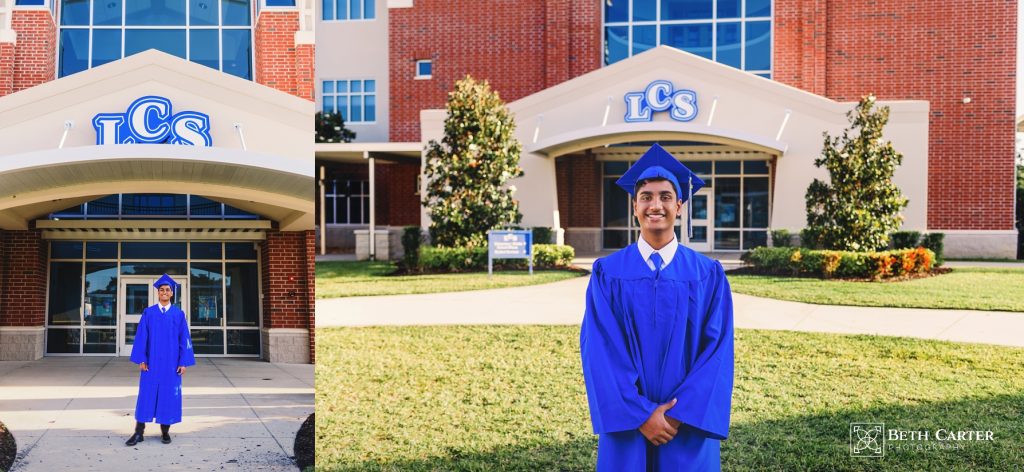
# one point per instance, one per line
(186, 357)
(140, 345)
(705, 396)
(609, 371)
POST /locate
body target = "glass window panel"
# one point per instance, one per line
(154, 204)
(280, 3)
(202, 206)
(644, 10)
(100, 341)
(615, 239)
(238, 53)
(65, 299)
(616, 10)
(755, 202)
(752, 239)
(152, 268)
(644, 38)
(136, 298)
(369, 86)
(759, 45)
(343, 108)
(728, 48)
(240, 251)
(685, 9)
(700, 207)
(106, 13)
(204, 48)
(616, 44)
(328, 105)
(766, 75)
(66, 249)
(365, 217)
(170, 41)
(727, 240)
(63, 341)
(74, 51)
(327, 9)
(232, 211)
(329, 206)
(727, 167)
(153, 250)
(616, 205)
(155, 13)
(695, 38)
(355, 9)
(727, 203)
(342, 86)
(700, 234)
(75, 13)
(207, 341)
(755, 167)
(729, 8)
(110, 204)
(357, 86)
(243, 296)
(207, 251)
(243, 341)
(368, 9)
(759, 8)
(236, 12)
(100, 293)
(615, 168)
(30, 3)
(356, 112)
(370, 108)
(101, 250)
(424, 68)
(202, 12)
(75, 210)
(341, 210)
(699, 167)
(328, 86)
(207, 293)
(129, 333)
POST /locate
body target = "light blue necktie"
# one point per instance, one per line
(657, 261)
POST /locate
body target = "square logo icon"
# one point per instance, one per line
(867, 439)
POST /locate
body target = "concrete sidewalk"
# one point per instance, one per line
(561, 303)
(74, 413)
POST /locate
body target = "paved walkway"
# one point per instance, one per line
(561, 303)
(74, 413)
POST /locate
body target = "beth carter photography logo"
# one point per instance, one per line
(867, 439)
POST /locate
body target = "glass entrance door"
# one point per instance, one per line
(135, 294)
(702, 216)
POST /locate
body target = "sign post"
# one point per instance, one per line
(509, 244)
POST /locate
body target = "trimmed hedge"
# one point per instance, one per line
(460, 259)
(841, 264)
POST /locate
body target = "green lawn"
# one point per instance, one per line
(966, 288)
(354, 279)
(512, 398)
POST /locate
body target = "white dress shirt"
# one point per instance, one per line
(667, 252)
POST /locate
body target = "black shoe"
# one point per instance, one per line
(166, 439)
(135, 439)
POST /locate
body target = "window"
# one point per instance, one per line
(736, 33)
(214, 33)
(356, 100)
(342, 10)
(424, 69)
(151, 206)
(30, 3)
(347, 202)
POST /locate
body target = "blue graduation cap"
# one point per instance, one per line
(166, 280)
(658, 163)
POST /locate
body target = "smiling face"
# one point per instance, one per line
(165, 292)
(656, 207)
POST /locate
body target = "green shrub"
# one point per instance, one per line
(781, 238)
(547, 256)
(412, 238)
(810, 239)
(459, 259)
(933, 241)
(905, 239)
(840, 264)
(541, 235)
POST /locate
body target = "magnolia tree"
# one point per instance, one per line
(860, 205)
(467, 171)
(330, 128)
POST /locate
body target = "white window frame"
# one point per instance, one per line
(419, 76)
(334, 17)
(350, 94)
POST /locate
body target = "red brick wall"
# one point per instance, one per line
(279, 62)
(520, 47)
(398, 203)
(286, 280)
(36, 49)
(311, 291)
(578, 177)
(926, 50)
(6, 69)
(23, 275)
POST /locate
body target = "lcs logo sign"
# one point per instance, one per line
(149, 120)
(660, 96)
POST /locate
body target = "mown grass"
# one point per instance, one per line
(967, 288)
(365, 278)
(512, 398)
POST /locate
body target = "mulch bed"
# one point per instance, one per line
(8, 449)
(902, 278)
(305, 443)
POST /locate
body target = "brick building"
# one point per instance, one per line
(143, 138)
(592, 83)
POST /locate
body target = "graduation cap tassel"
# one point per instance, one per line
(689, 209)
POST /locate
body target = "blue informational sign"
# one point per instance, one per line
(660, 95)
(509, 244)
(150, 120)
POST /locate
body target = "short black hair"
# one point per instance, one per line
(642, 182)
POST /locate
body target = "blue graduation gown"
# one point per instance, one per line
(647, 340)
(163, 342)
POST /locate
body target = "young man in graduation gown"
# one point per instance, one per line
(657, 337)
(163, 349)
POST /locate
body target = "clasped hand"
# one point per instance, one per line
(145, 368)
(660, 429)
